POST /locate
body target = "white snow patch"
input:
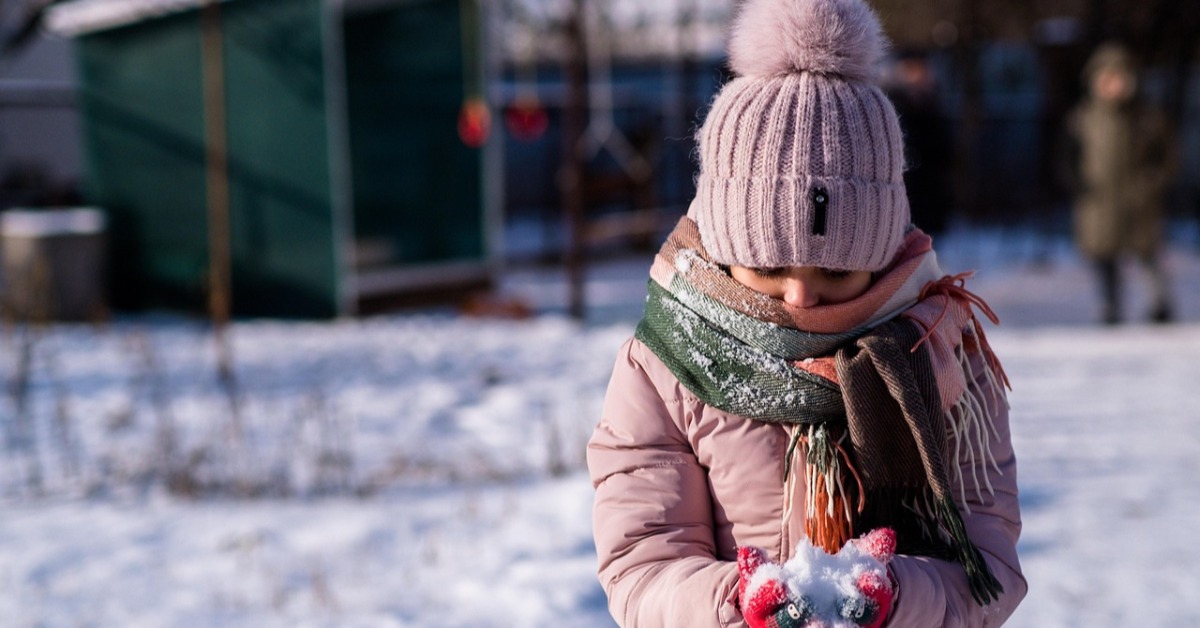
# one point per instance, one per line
(1104, 423)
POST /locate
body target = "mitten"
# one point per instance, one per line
(878, 587)
(850, 589)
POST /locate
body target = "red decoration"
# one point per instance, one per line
(526, 118)
(474, 123)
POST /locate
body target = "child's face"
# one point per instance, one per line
(804, 286)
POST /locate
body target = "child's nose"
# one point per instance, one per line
(800, 293)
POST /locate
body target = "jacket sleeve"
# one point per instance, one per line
(652, 520)
(934, 592)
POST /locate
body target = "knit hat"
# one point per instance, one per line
(801, 158)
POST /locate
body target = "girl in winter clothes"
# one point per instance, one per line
(808, 427)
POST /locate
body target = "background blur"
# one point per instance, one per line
(309, 306)
(379, 149)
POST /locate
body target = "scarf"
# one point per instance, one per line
(870, 388)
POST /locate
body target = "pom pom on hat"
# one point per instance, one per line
(776, 37)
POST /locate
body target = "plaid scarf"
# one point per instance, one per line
(870, 388)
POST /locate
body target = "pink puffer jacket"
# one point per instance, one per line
(680, 485)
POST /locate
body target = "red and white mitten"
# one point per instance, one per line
(850, 589)
(761, 591)
(878, 587)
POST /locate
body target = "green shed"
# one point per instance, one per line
(345, 178)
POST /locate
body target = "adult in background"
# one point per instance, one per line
(1123, 158)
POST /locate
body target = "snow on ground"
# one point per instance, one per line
(444, 433)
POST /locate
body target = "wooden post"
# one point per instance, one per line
(571, 178)
(216, 168)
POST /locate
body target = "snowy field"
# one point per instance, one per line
(427, 470)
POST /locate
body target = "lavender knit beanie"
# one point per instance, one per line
(801, 159)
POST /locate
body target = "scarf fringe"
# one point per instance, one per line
(970, 422)
(973, 410)
(828, 517)
(953, 288)
(985, 588)
(923, 506)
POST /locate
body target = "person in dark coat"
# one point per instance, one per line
(1123, 159)
(928, 146)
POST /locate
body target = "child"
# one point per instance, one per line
(804, 373)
